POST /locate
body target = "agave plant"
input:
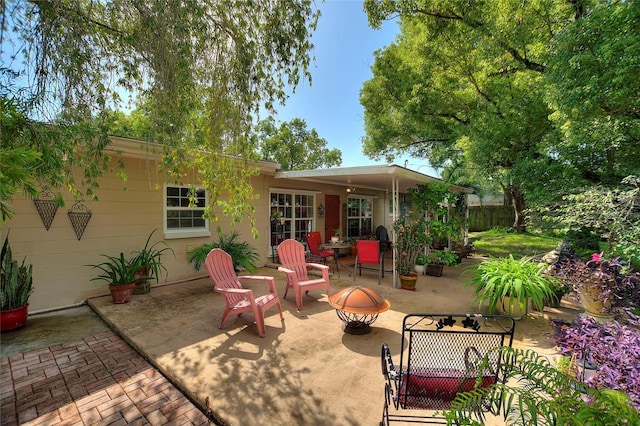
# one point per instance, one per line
(16, 279)
(242, 254)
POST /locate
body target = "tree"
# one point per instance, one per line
(208, 65)
(464, 85)
(293, 146)
(592, 83)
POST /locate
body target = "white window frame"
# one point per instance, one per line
(360, 217)
(183, 232)
(291, 219)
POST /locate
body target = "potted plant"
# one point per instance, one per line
(120, 274)
(354, 246)
(150, 260)
(438, 259)
(335, 238)
(510, 285)
(421, 261)
(603, 285)
(243, 255)
(411, 240)
(17, 285)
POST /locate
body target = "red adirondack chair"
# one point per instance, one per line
(238, 299)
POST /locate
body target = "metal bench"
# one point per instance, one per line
(442, 355)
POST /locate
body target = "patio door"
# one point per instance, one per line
(332, 215)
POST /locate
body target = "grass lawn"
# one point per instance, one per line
(499, 243)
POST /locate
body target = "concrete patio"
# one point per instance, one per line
(306, 370)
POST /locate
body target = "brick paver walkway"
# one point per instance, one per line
(98, 380)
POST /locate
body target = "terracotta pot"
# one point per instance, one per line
(435, 270)
(408, 282)
(13, 318)
(122, 293)
(142, 286)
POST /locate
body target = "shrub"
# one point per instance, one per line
(242, 254)
(612, 347)
(615, 282)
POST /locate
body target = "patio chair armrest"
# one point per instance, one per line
(234, 290)
(292, 277)
(323, 268)
(269, 280)
(388, 368)
(318, 266)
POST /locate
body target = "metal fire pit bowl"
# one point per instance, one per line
(358, 307)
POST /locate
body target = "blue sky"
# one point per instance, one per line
(344, 46)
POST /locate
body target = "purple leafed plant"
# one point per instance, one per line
(612, 347)
(614, 282)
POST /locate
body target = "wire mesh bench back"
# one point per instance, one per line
(442, 355)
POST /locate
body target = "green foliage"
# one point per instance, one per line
(521, 279)
(614, 212)
(481, 90)
(293, 146)
(150, 257)
(411, 240)
(443, 257)
(16, 279)
(422, 259)
(536, 393)
(500, 243)
(242, 254)
(592, 83)
(201, 69)
(118, 270)
(583, 240)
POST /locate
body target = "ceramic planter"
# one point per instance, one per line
(592, 302)
(12, 319)
(512, 307)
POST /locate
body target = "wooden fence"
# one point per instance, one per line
(483, 218)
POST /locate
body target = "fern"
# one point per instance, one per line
(535, 393)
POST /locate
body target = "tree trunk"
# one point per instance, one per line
(518, 203)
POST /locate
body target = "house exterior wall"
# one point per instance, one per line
(121, 221)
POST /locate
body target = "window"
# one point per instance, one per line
(181, 218)
(359, 216)
(292, 216)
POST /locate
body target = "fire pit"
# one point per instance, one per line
(358, 307)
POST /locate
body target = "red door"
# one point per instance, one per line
(332, 215)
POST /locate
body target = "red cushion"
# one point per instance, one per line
(434, 389)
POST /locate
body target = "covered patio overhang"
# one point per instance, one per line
(380, 178)
(389, 178)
